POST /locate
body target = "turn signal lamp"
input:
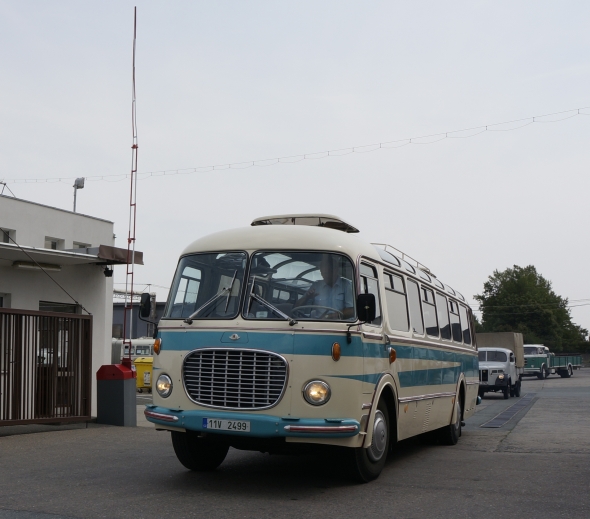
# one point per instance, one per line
(392, 355)
(157, 346)
(336, 351)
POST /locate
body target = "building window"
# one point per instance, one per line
(80, 245)
(4, 300)
(117, 331)
(6, 235)
(54, 243)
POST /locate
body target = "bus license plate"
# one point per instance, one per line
(226, 425)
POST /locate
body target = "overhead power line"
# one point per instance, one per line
(464, 133)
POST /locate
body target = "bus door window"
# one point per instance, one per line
(370, 285)
(443, 316)
(455, 322)
(465, 325)
(429, 309)
(397, 304)
(415, 309)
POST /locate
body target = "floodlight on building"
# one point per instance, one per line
(36, 266)
(78, 184)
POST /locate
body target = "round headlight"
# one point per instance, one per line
(164, 386)
(316, 392)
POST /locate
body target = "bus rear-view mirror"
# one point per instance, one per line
(366, 307)
(145, 306)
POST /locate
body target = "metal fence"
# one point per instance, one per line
(45, 367)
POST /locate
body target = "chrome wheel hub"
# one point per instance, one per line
(379, 444)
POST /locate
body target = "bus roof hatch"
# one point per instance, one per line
(314, 220)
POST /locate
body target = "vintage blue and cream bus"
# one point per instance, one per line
(294, 333)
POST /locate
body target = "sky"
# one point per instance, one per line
(230, 82)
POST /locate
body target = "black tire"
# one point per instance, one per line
(450, 434)
(541, 374)
(512, 388)
(196, 453)
(365, 464)
(547, 373)
(517, 389)
(506, 391)
(570, 371)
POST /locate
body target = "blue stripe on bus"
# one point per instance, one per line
(281, 343)
(321, 344)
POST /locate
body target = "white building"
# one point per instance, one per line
(76, 250)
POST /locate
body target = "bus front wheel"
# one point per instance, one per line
(200, 454)
(367, 463)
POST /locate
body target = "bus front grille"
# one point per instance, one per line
(234, 379)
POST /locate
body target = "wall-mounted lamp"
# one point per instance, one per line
(78, 184)
(36, 266)
(108, 273)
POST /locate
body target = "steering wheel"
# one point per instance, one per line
(326, 309)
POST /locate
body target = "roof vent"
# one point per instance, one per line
(317, 220)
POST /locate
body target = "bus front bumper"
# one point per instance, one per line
(260, 426)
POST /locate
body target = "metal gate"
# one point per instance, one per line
(45, 367)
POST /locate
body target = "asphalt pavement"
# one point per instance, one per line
(536, 465)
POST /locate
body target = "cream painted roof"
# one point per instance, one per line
(292, 237)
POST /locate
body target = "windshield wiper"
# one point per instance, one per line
(292, 322)
(219, 295)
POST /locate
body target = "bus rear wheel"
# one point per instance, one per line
(198, 453)
(366, 464)
(450, 434)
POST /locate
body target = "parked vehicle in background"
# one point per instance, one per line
(501, 363)
(540, 362)
(143, 347)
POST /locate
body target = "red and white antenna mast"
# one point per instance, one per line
(128, 311)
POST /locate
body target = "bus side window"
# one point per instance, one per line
(455, 322)
(397, 305)
(370, 285)
(465, 325)
(429, 310)
(443, 316)
(415, 309)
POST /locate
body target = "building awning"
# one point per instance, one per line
(111, 255)
(101, 255)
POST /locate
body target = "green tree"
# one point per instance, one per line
(521, 300)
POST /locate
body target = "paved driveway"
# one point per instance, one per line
(537, 465)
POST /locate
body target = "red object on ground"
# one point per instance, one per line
(115, 372)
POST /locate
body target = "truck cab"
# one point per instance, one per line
(537, 361)
(498, 372)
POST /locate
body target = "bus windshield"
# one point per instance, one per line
(300, 285)
(207, 286)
